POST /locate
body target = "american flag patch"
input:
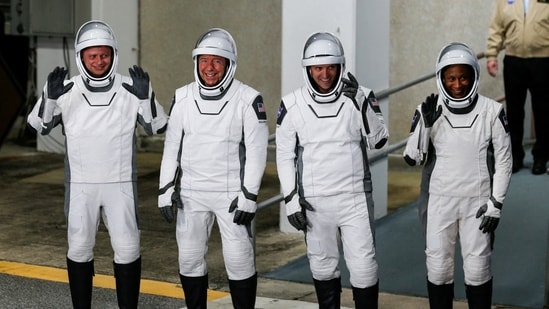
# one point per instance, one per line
(261, 107)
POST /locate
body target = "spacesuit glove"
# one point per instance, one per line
(490, 212)
(168, 211)
(298, 213)
(56, 86)
(140, 87)
(430, 111)
(351, 89)
(244, 211)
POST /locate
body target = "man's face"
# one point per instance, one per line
(97, 60)
(324, 76)
(211, 69)
(457, 80)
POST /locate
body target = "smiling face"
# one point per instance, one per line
(457, 80)
(97, 60)
(324, 76)
(211, 69)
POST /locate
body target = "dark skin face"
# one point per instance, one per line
(457, 80)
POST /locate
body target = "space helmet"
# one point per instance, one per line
(323, 48)
(95, 33)
(219, 42)
(451, 54)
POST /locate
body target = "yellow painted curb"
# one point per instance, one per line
(153, 287)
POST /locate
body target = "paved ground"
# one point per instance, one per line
(32, 229)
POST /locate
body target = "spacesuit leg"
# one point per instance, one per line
(193, 230)
(441, 235)
(238, 247)
(82, 209)
(120, 207)
(476, 250)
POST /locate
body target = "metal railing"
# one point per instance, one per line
(379, 154)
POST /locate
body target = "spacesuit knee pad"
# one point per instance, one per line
(363, 275)
(239, 261)
(477, 270)
(192, 261)
(126, 253)
(323, 270)
(80, 254)
(440, 270)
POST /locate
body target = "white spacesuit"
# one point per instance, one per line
(464, 144)
(98, 115)
(214, 157)
(322, 140)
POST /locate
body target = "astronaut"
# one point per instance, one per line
(462, 139)
(215, 154)
(98, 111)
(322, 139)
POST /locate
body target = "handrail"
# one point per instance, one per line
(378, 155)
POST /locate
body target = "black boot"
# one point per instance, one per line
(328, 293)
(479, 297)
(80, 283)
(243, 292)
(440, 296)
(195, 290)
(366, 298)
(128, 279)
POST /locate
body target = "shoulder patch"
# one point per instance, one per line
(281, 113)
(503, 119)
(259, 108)
(373, 102)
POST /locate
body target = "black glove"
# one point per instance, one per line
(140, 87)
(242, 217)
(56, 87)
(168, 211)
(299, 219)
(430, 111)
(490, 212)
(350, 86)
(350, 89)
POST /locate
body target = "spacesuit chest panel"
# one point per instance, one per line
(99, 128)
(461, 143)
(330, 135)
(213, 132)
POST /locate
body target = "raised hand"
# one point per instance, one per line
(56, 86)
(140, 87)
(429, 110)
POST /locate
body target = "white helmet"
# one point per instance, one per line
(457, 53)
(219, 42)
(95, 33)
(323, 48)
